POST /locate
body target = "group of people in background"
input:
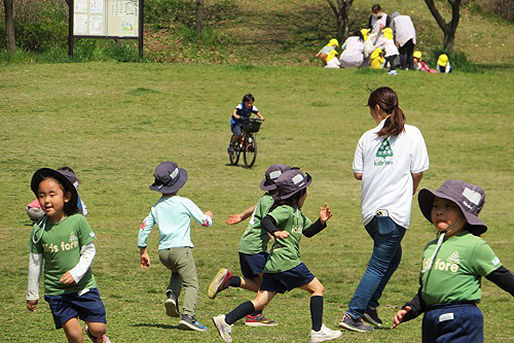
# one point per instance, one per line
(389, 161)
(386, 42)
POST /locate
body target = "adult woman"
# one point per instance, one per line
(390, 160)
(353, 51)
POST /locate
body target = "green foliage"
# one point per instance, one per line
(458, 60)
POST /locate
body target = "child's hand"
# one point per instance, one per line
(281, 234)
(67, 279)
(145, 260)
(31, 305)
(398, 318)
(324, 214)
(234, 219)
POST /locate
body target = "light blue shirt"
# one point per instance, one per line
(173, 216)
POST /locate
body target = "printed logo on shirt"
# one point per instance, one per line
(445, 266)
(384, 150)
(454, 257)
(73, 238)
(143, 225)
(296, 229)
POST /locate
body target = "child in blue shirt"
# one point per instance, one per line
(242, 111)
(173, 214)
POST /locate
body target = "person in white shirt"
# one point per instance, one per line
(390, 160)
(386, 42)
(353, 51)
(332, 60)
(378, 19)
(405, 38)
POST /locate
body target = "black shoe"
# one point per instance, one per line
(171, 305)
(188, 322)
(371, 316)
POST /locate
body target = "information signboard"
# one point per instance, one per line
(120, 19)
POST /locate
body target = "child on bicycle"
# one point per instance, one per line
(252, 247)
(242, 111)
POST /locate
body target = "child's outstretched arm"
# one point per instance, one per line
(503, 278)
(409, 310)
(261, 117)
(87, 255)
(324, 215)
(237, 218)
(270, 225)
(35, 265)
(203, 218)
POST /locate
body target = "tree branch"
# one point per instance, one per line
(435, 13)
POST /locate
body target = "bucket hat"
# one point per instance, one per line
(291, 182)
(65, 178)
(169, 178)
(271, 175)
(470, 199)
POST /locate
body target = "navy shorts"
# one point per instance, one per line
(252, 265)
(88, 307)
(237, 129)
(286, 281)
(453, 323)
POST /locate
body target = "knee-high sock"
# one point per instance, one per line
(239, 312)
(316, 312)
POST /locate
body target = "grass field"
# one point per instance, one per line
(113, 123)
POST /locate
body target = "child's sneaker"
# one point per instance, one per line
(224, 329)
(171, 305)
(259, 320)
(324, 334)
(371, 316)
(188, 322)
(219, 283)
(393, 72)
(358, 325)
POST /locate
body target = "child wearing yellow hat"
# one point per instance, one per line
(377, 59)
(391, 51)
(332, 60)
(443, 64)
(333, 44)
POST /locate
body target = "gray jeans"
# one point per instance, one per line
(183, 274)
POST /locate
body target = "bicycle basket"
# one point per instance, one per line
(251, 125)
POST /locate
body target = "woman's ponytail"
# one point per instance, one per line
(387, 100)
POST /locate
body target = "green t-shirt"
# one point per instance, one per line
(255, 239)
(457, 269)
(60, 245)
(285, 253)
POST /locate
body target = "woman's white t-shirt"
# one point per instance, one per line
(386, 164)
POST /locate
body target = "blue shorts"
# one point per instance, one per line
(252, 265)
(453, 323)
(286, 281)
(237, 129)
(88, 307)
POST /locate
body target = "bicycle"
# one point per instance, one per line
(247, 143)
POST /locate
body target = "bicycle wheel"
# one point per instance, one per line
(249, 150)
(233, 155)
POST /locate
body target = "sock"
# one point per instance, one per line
(316, 312)
(256, 312)
(235, 281)
(239, 312)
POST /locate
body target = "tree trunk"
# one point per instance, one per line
(341, 10)
(199, 17)
(9, 27)
(449, 28)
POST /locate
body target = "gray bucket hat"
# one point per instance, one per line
(65, 178)
(169, 178)
(291, 182)
(271, 175)
(470, 199)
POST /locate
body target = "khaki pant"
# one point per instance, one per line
(183, 274)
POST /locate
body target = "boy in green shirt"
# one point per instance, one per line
(284, 269)
(252, 247)
(453, 266)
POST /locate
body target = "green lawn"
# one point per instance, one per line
(113, 123)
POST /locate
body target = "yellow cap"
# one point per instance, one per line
(388, 33)
(365, 33)
(333, 42)
(375, 53)
(442, 60)
(332, 54)
(417, 54)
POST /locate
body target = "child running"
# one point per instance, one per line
(284, 271)
(63, 241)
(242, 111)
(453, 265)
(252, 247)
(173, 214)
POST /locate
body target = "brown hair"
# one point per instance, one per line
(387, 100)
(376, 8)
(68, 208)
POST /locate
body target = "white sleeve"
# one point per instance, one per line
(420, 161)
(87, 254)
(197, 214)
(358, 160)
(35, 265)
(84, 208)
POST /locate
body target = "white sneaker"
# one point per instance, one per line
(393, 72)
(324, 334)
(224, 329)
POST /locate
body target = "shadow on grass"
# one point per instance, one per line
(161, 326)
